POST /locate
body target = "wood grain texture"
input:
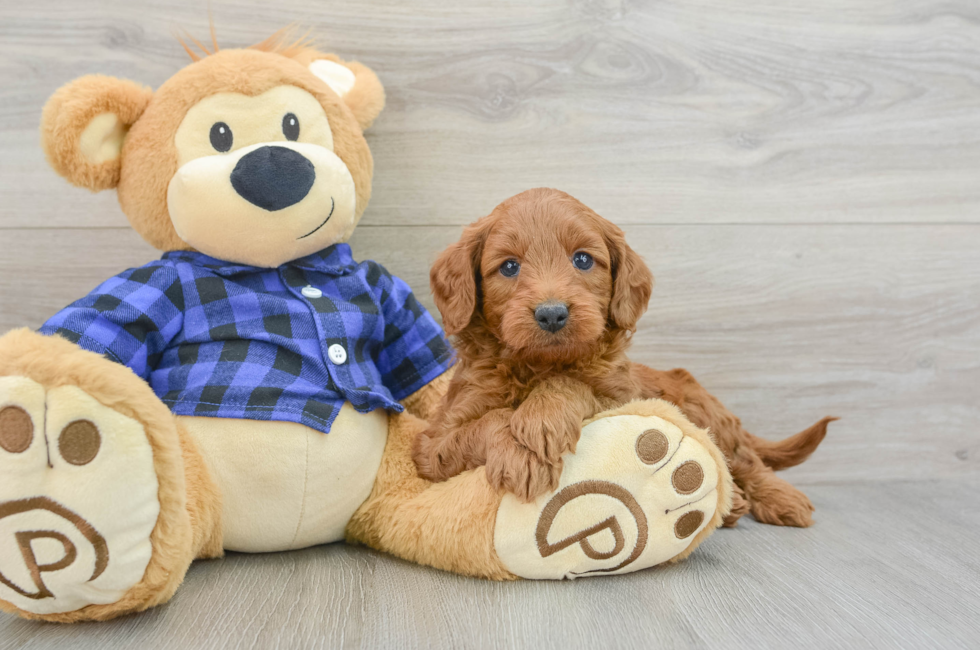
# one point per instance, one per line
(889, 565)
(670, 112)
(802, 179)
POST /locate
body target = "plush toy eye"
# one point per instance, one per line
(510, 268)
(582, 261)
(221, 137)
(290, 127)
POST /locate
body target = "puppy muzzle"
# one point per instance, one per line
(551, 315)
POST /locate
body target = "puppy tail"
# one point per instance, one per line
(791, 451)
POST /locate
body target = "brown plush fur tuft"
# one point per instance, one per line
(519, 394)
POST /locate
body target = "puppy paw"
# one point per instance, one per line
(740, 507)
(781, 504)
(432, 462)
(548, 439)
(521, 472)
(638, 492)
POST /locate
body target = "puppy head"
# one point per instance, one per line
(543, 274)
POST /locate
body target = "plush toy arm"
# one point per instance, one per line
(130, 318)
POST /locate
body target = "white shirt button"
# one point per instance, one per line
(311, 292)
(337, 354)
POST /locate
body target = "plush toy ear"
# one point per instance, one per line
(355, 84)
(454, 275)
(84, 124)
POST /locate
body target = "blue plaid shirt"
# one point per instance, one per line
(228, 340)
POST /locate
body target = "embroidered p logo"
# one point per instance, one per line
(611, 524)
(27, 538)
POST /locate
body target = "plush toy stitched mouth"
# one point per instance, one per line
(332, 205)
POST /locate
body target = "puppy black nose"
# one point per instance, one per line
(273, 178)
(551, 315)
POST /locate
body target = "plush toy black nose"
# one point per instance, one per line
(551, 315)
(273, 178)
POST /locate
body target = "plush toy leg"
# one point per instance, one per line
(104, 501)
(644, 487)
(446, 525)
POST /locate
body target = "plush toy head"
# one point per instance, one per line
(255, 156)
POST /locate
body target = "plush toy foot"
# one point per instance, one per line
(95, 517)
(644, 487)
(78, 499)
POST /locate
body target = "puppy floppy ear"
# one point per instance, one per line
(632, 280)
(453, 277)
(354, 83)
(84, 124)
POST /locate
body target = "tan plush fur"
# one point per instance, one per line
(203, 499)
(188, 522)
(519, 393)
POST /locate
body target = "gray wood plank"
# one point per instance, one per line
(888, 565)
(693, 112)
(786, 324)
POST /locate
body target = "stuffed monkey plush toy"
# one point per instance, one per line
(256, 389)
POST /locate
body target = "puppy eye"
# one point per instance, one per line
(510, 268)
(290, 127)
(582, 261)
(221, 137)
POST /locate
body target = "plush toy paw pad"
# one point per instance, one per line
(16, 429)
(78, 499)
(634, 495)
(687, 478)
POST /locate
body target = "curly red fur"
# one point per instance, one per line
(520, 392)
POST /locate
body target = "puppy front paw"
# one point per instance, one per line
(520, 471)
(436, 459)
(547, 438)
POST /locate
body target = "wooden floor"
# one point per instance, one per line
(802, 177)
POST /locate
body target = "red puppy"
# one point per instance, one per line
(542, 296)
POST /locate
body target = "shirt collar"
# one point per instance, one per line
(334, 260)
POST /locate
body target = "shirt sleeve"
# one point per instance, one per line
(415, 350)
(131, 318)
